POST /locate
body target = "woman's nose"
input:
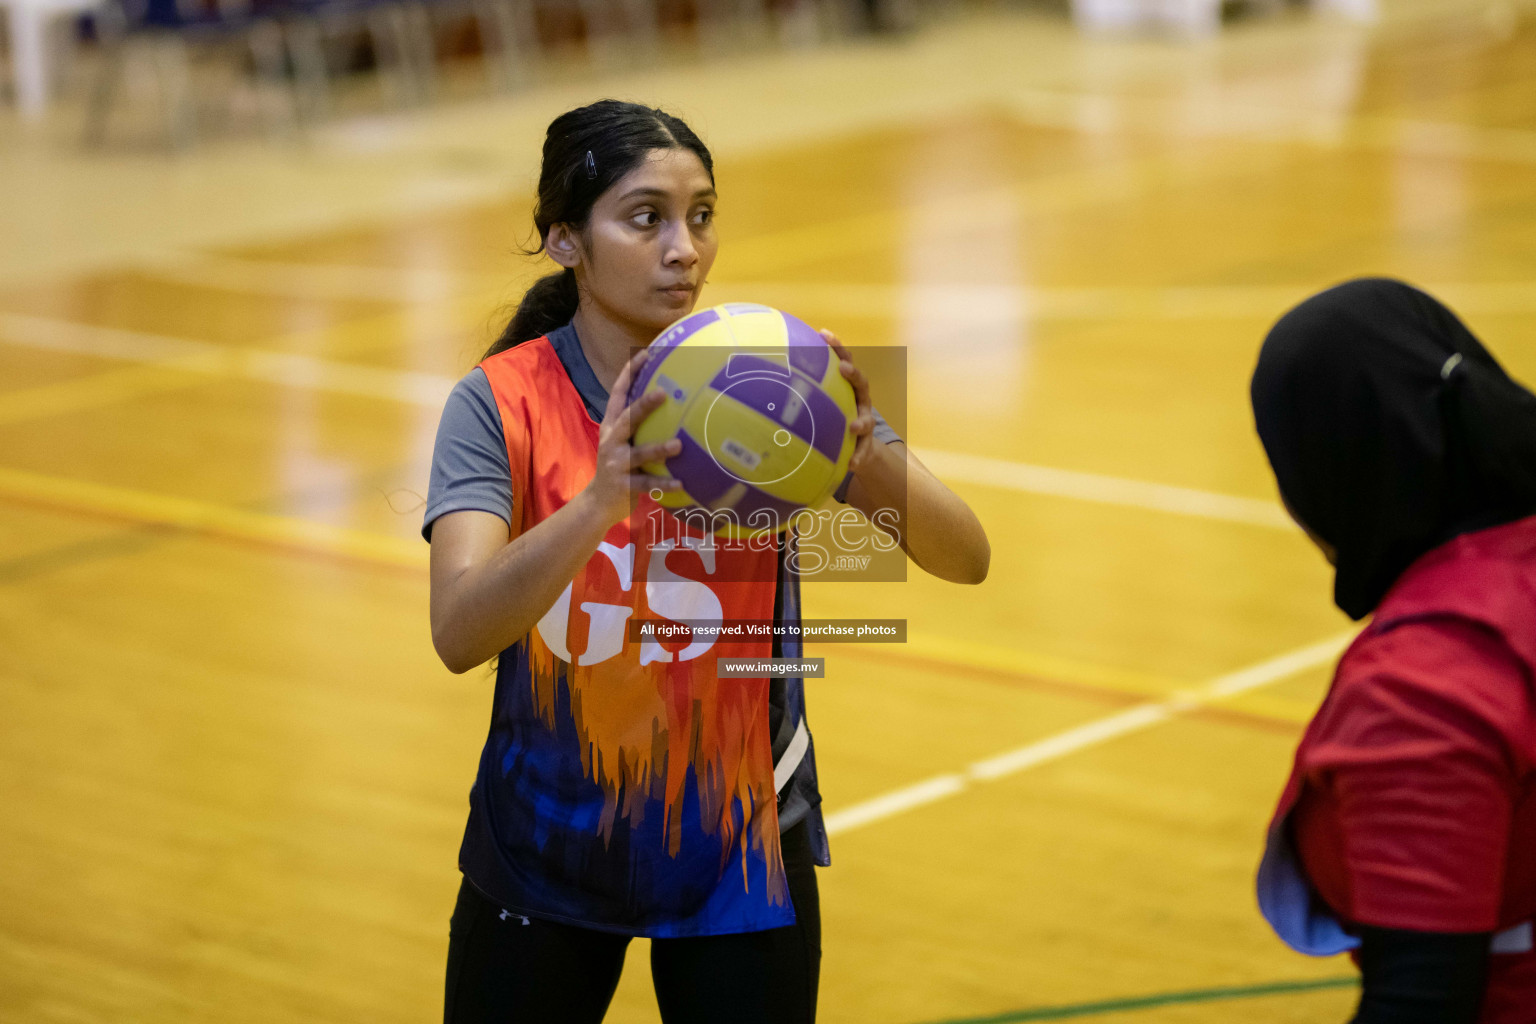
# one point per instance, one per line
(680, 247)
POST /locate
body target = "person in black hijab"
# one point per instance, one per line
(1391, 431)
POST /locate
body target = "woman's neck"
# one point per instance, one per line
(607, 343)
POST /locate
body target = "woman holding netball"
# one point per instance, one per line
(1407, 832)
(624, 789)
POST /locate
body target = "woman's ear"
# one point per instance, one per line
(562, 246)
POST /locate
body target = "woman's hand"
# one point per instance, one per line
(935, 528)
(863, 423)
(616, 479)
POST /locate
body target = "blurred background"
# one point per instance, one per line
(247, 246)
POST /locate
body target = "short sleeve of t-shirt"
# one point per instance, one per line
(884, 433)
(1412, 778)
(469, 459)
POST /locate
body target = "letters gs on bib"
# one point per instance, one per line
(671, 595)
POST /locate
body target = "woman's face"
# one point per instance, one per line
(648, 244)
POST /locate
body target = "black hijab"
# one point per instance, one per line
(1390, 429)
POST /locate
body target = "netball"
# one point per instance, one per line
(761, 408)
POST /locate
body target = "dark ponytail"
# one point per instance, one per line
(548, 305)
(586, 151)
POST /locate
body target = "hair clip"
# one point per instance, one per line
(1449, 366)
(591, 166)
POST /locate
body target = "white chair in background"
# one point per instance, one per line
(29, 23)
(1192, 17)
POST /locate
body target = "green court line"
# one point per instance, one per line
(1133, 1003)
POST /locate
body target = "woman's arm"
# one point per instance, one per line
(935, 528)
(486, 593)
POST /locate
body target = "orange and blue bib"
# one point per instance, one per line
(624, 785)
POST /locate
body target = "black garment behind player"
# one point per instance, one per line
(1421, 977)
(1390, 429)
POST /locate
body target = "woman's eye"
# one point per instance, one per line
(704, 216)
(646, 218)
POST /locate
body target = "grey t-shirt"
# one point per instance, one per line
(469, 459)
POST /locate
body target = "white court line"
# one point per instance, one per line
(429, 391)
(1104, 490)
(1138, 303)
(1143, 716)
(333, 281)
(292, 369)
(103, 342)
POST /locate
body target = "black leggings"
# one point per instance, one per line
(504, 969)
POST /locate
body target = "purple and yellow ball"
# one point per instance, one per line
(762, 410)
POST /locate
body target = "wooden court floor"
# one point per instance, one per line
(233, 774)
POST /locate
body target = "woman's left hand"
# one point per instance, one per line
(937, 530)
(863, 424)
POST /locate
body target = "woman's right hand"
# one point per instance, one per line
(618, 478)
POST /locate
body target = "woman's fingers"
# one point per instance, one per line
(842, 350)
(863, 441)
(861, 399)
(837, 346)
(618, 395)
(862, 427)
(647, 482)
(863, 424)
(627, 373)
(643, 453)
(632, 415)
(855, 376)
(852, 373)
